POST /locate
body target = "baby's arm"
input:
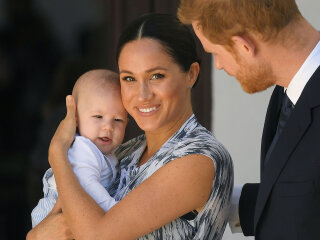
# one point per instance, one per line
(89, 165)
(95, 189)
(46, 203)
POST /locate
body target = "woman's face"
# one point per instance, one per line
(155, 90)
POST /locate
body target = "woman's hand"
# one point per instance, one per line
(66, 130)
(53, 227)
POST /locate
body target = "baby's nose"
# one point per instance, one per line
(108, 126)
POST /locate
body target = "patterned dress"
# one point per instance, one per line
(191, 138)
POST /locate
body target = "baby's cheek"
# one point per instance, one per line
(119, 135)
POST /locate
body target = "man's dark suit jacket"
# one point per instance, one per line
(286, 204)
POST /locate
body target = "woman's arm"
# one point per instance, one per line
(175, 189)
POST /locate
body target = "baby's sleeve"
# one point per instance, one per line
(48, 201)
(88, 163)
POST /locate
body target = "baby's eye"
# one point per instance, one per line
(128, 79)
(118, 120)
(157, 76)
(97, 116)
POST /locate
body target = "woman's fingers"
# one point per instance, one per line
(53, 227)
(64, 135)
(71, 108)
(70, 122)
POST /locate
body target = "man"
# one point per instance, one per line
(263, 43)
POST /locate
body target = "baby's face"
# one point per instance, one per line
(102, 118)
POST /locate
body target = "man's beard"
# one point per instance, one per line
(255, 77)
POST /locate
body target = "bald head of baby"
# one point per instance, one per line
(95, 80)
(101, 116)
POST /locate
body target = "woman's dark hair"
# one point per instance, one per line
(175, 37)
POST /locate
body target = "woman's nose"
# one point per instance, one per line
(145, 92)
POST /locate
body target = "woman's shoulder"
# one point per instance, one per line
(202, 141)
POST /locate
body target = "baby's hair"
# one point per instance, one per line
(97, 77)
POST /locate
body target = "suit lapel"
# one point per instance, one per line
(292, 133)
(271, 121)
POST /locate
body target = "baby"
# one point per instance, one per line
(101, 123)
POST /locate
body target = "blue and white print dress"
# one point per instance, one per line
(191, 138)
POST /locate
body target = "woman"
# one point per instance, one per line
(176, 180)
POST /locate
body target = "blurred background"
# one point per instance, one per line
(46, 45)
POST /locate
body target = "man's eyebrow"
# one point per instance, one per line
(148, 71)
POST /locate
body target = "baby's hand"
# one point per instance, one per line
(64, 135)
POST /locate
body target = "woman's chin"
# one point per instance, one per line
(148, 126)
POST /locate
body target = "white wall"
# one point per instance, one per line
(238, 118)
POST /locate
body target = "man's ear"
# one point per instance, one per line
(193, 74)
(244, 45)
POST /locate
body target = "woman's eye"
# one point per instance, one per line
(157, 76)
(97, 116)
(128, 79)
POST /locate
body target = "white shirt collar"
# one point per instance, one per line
(301, 78)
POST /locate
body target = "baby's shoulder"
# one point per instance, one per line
(84, 150)
(83, 143)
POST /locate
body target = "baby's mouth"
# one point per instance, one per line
(105, 139)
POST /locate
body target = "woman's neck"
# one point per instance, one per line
(156, 139)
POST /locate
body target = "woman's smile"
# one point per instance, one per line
(148, 109)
